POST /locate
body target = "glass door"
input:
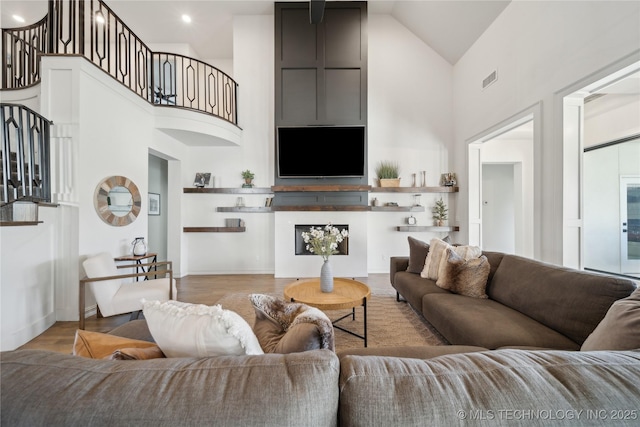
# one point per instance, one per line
(630, 225)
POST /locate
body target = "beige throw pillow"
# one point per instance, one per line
(464, 277)
(437, 256)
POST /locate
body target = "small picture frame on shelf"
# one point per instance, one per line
(202, 179)
(154, 204)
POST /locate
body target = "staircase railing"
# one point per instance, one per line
(24, 155)
(91, 29)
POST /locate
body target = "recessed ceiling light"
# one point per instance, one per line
(186, 18)
(18, 18)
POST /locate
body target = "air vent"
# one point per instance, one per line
(490, 79)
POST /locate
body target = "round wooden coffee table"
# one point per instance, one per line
(347, 293)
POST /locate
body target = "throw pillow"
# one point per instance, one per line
(437, 256)
(464, 277)
(290, 327)
(620, 328)
(96, 345)
(197, 330)
(418, 251)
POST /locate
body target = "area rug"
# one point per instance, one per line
(389, 323)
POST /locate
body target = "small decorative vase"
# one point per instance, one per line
(139, 246)
(326, 277)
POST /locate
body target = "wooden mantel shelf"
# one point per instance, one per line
(415, 189)
(303, 188)
(18, 223)
(213, 229)
(435, 228)
(230, 190)
(335, 208)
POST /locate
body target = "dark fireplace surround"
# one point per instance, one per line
(301, 246)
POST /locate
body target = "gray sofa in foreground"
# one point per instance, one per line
(316, 388)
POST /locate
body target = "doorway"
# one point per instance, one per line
(498, 208)
(501, 189)
(601, 138)
(157, 236)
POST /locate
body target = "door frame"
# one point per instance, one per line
(474, 168)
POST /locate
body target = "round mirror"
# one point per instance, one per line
(117, 201)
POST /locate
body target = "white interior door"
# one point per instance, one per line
(498, 208)
(630, 225)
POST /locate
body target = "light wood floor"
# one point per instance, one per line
(206, 289)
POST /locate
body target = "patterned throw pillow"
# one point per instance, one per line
(290, 327)
(464, 277)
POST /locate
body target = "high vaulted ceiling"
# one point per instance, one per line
(449, 27)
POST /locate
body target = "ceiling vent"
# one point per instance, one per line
(490, 79)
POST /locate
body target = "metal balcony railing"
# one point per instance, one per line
(89, 28)
(24, 155)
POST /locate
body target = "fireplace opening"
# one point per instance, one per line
(301, 246)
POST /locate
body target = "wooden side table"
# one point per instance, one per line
(138, 262)
(347, 293)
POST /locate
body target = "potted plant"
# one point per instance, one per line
(388, 173)
(248, 176)
(440, 213)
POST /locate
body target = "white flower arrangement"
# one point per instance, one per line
(324, 241)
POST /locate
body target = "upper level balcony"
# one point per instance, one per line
(180, 85)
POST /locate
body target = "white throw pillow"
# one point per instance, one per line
(196, 330)
(437, 257)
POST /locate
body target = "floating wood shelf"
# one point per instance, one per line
(18, 223)
(302, 188)
(214, 229)
(415, 189)
(397, 208)
(354, 208)
(236, 190)
(248, 209)
(432, 228)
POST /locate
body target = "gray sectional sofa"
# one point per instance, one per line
(411, 386)
(317, 388)
(529, 304)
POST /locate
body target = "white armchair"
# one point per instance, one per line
(113, 296)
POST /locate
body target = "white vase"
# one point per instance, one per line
(139, 246)
(326, 277)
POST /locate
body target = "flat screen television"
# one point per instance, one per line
(321, 151)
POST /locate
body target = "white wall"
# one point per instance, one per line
(410, 121)
(611, 117)
(27, 267)
(251, 251)
(538, 48)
